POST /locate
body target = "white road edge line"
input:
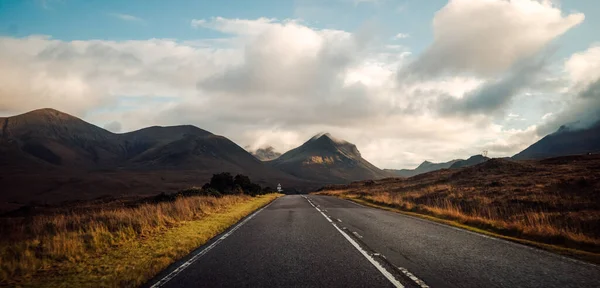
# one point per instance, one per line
(413, 277)
(205, 250)
(378, 266)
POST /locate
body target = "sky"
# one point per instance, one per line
(406, 81)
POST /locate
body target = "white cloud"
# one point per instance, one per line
(126, 17)
(582, 95)
(487, 37)
(113, 126)
(266, 82)
(512, 141)
(584, 67)
(547, 116)
(401, 36)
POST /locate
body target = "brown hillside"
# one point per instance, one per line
(49, 157)
(555, 201)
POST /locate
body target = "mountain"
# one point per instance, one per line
(425, 167)
(473, 160)
(50, 156)
(266, 153)
(327, 159)
(63, 140)
(565, 141)
(60, 139)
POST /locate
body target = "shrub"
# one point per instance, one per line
(222, 182)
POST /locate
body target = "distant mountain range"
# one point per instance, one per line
(425, 167)
(324, 158)
(565, 141)
(65, 141)
(473, 160)
(48, 156)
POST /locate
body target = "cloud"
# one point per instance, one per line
(401, 36)
(113, 126)
(582, 96)
(126, 17)
(512, 142)
(507, 31)
(236, 26)
(583, 68)
(79, 76)
(496, 95)
(265, 82)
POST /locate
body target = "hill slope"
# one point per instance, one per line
(60, 139)
(326, 159)
(47, 156)
(473, 160)
(565, 141)
(425, 167)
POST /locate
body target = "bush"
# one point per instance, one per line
(212, 192)
(224, 183)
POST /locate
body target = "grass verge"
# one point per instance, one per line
(117, 248)
(467, 225)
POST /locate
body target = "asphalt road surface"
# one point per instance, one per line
(322, 241)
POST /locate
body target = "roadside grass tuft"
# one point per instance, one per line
(528, 227)
(121, 247)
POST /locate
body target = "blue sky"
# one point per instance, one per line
(320, 65)
(84, 20)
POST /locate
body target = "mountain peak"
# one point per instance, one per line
(327, 136)
(47, 113)
(326, 158)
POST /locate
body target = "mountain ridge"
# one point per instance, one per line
(50, 156)
(564, 141)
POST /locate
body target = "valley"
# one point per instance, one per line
(82, 182)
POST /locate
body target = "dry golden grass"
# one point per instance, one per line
(555, 202)
(116, 247)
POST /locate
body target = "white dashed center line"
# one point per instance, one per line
(378, 266)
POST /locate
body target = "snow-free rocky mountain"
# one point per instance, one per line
(567, 140)
(47, 156)
(266, 153)
(425, 167)
(473, 160)
(326, 159)
(62, 140)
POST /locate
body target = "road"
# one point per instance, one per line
(322, 241)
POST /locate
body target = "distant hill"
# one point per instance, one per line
(425, 167)
(473, 160)
(565, 141)
(50, 156)
(266, 153)
(327, 159)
